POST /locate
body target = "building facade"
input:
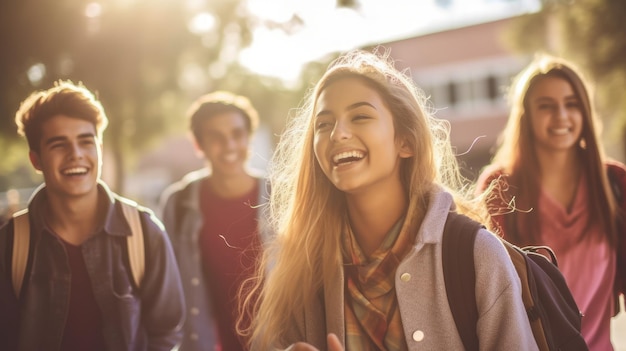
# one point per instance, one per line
(465, 72)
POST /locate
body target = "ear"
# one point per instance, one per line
(197, 148)
(404, 150)
(101, 151)
(35, 160)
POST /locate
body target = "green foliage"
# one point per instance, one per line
(136, 55)
(590, 33)
(133, 55)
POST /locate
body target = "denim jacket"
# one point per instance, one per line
(183, 221)
(149, 317)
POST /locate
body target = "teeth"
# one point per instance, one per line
(560, 131)
(348, 155)
(230, 157)
(75, 170)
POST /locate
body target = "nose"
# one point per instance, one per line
(340, 131)
(562, 111)
(76, 152)
(229, 143)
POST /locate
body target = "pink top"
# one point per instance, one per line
(586, 261)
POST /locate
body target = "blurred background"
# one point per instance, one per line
(148, 59)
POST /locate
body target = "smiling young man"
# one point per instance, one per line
(215, 222)
(78, 291)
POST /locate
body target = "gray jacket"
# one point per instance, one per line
(426, 316)
(182, 217)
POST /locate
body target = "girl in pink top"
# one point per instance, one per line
(549, 185)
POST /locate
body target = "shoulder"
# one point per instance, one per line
(151, 224)
(191, 179)
(256, 173)
(489, 249)
(616, 168)
(616, 172)
(493, 265)
(488, 241)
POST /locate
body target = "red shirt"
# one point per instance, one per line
(83, 326)
(230, 246)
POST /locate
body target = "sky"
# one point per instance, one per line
(327, 29)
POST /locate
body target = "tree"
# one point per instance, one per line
(132, 54)
(128, 55)
(142, 59)
(590, 33)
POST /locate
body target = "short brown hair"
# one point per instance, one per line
(64, 98)
(218, 102)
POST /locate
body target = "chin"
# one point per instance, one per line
(346, 188)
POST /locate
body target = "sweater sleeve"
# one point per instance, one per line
(163, 305)
(502, 322)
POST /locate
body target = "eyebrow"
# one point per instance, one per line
(568, 97)
(63, 138)
(350, 107)
(231, 130)
(543, 99)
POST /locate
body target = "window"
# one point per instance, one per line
(493, 93)
(453, 94)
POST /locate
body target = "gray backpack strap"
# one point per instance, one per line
(21, 244)
(136, 251)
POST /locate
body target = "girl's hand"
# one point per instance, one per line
(333, 343)
(301, 346)
(331, 339)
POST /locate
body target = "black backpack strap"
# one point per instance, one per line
(615, 184)
(619, 286)
(459, 234)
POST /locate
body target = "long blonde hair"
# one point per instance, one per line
(516, 154)
(307, 211)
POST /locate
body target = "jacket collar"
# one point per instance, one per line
(439, 204)
(114, 220)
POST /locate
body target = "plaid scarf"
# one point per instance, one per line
(371, 306)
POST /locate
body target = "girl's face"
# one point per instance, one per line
(555, 115)
(354, 138)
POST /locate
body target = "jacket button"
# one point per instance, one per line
(194, 311)
(418, 335)
(193, 336)
(405, 277)
(195, 281)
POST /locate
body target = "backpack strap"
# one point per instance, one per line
(615, 183)
(136, 249)
(459, 234)
(21, 244)
(519, 259)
